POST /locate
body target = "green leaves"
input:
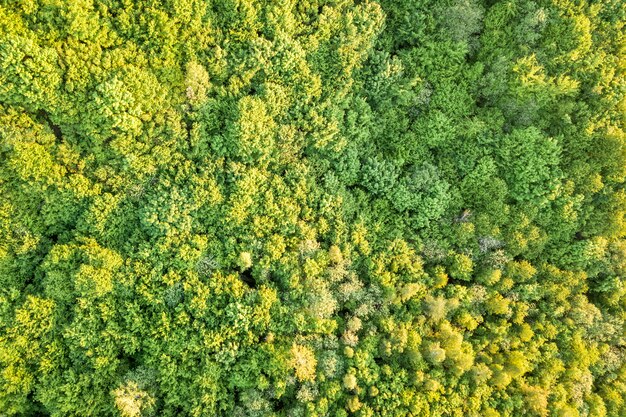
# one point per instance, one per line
(29, 74)
(379, 176)
(312, 208)
(422, 191)
(26, 353)
(530, 164)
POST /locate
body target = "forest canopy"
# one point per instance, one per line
(313, 208)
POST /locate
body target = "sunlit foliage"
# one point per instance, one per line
(312, 208)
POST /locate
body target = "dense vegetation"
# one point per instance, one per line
(312, 208)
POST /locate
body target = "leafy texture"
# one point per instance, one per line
(312, 208)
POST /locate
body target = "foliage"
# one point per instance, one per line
(312, 208)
